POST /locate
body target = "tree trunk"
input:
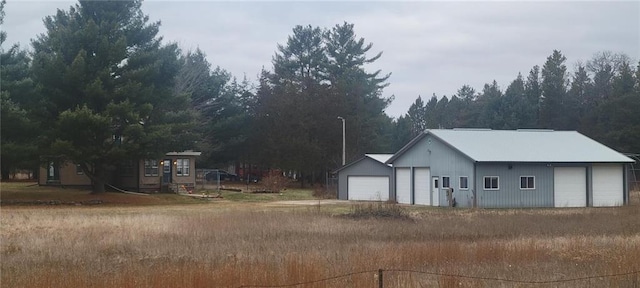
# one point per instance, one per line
(97, 177)
(5, 174)
(98, 186)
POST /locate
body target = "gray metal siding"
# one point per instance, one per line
(442, 161)
(509, 194)
(364, 167)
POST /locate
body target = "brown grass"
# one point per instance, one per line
(224, 244)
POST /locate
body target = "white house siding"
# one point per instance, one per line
(403, 185)
(368, 188)
(608, 185)
(570, 186)
(421, 186)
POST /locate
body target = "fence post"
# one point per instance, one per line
(380, 282)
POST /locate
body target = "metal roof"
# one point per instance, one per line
(382, 158)
(184, 153)
(484, 145)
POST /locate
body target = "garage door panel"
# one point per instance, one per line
(570, 186)
(422, 186)
(608, 185)
(403, 185)
(368, 188)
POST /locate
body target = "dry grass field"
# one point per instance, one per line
(236, 243)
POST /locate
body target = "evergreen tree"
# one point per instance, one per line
(402, 133)
(490, 103)
(108, 89)
(554, 89)
(579, 99)
(416, 117)
(517, 108)
(534, 96)
(16, 94)
(319, 75)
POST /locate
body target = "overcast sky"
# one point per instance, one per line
(429, 47)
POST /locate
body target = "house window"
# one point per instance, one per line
(527, 182)
(150, 168)
(79, 170)
(446, 183)
(464, 182)
(491, 183)
(126, 168)
(182, 167)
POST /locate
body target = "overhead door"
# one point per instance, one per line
(570, 186)
(368, 188)
(422, 191)
(608, 185)
(403, 185)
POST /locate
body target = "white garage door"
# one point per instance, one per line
(570, 186)
(368, 188)
(403, 185)
(421, 185)
(608, 185)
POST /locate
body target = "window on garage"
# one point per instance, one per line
(527, 182)
(464, 182)
(491, 182)
(446, 182)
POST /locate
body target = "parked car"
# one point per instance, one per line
(212, 176)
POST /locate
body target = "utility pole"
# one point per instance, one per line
(344, 146)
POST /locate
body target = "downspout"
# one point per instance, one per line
(625, 185)
(413, 186)
(589, 185)
(474, 189)
(392, 190)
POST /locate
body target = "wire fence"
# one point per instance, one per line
(634, 282)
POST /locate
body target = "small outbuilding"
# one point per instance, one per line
(508, 168)
(366, 179)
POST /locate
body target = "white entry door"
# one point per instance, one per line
(435, 191)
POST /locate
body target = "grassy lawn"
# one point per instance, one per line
(26, 192)
(29, 193)
(289, 194)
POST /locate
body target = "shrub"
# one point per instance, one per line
(275, 182)
(324, 192)
(378, 209)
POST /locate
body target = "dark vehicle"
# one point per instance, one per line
(212, 176)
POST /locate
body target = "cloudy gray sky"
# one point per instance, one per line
(429, 47)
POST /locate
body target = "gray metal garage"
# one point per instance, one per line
(509, 168)
(366, 179)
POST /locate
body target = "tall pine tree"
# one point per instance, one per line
(108, 89)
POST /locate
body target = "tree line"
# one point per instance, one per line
(599, 98)
(100, 87)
